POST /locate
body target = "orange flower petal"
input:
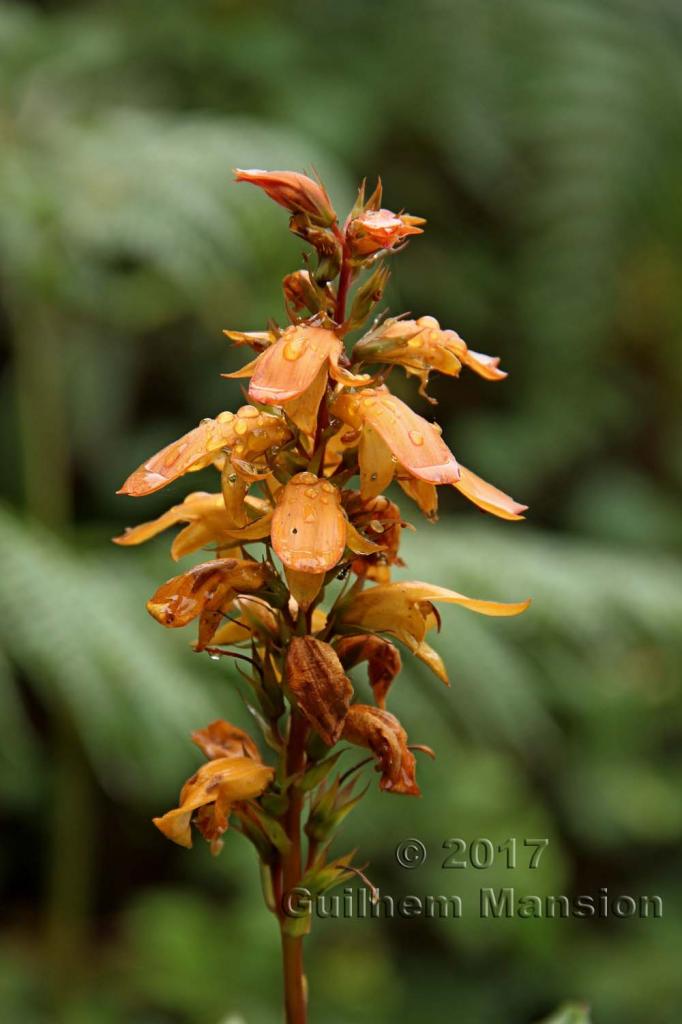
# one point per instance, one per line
(304, 586)
(308, 526)
(377, 464)
(191, 451)
(487, 497)
(414, 442)
(359, 544)
(248, 433)
(303, 410)
(484, 366)
(195, 506)
(423, 494)
(290, 366)
(387, 599)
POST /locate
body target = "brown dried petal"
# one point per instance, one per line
(382, 733)
(317, 680)
(222, 739)
(382, 657)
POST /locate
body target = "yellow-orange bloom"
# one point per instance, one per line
(405, 610)
(420, 346)
(293, 191)
(213, 790)
(382, 733)
(293, 372)
(247, 435)
(393, 436)
(309, 529)
(377, 230)
(488, 498)
(208, 523)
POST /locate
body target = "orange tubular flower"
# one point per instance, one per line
(208, 521)
(394, 436)
(214, 789)
(293, 372)
(247, 435)
(376, 230)
(295, 192)
(406, 611)
(288, 468)
(310, 533)
(420, 346)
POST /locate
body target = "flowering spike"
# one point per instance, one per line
(298, 508)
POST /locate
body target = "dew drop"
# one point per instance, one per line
(416, 437)
(311, 492)
(241, 427)
(373, 476)
(214, 657)
(293, 349)
(309, 517)
(376, 526)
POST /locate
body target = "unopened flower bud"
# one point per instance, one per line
(295, 192)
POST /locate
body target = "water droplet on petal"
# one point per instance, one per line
(214, 657)
(309, 517)
(294, 349)
(241, 427)
(416, 437)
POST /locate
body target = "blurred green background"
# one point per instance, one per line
(542, 139)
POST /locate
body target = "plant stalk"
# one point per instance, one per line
(295, 990)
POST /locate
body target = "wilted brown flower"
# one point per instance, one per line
(322, 691)
(383, 734)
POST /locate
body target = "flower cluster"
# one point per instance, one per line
(320, 598)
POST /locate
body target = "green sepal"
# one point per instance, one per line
(318, 773)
